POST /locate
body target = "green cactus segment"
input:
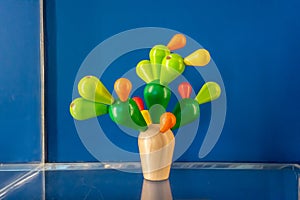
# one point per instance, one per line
(156, 55)
(186, 111)
(127, 114)
(156, 111)
(172, 67)
(82, 109)
(91, 88)
(210, 91)
(144, 71)
(159, 96)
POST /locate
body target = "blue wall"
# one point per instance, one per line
(19, 81)
(255, 45)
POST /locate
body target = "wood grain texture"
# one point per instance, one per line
(156, 152)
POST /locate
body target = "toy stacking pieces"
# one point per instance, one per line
(125, 111)
(187, 109)
(156, 140)
(145, 113)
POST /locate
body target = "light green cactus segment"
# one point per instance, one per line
(157, 54)
(172, 67)
(91, 88)
(144, 71)
(82, 109)
(210, 91)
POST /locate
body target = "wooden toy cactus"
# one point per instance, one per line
(156, 140)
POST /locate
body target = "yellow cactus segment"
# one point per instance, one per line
(146, 116)
(199, 58)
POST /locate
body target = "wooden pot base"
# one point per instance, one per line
(156, 152)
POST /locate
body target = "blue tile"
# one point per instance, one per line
(20, 137)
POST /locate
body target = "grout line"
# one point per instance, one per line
(33, 169)
(42, 79)
(137, 165)
(299, 187)
(175, 165)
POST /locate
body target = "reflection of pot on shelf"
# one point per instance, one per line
(156, 190)
(156, 152)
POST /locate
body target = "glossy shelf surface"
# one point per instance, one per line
(124, 181)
